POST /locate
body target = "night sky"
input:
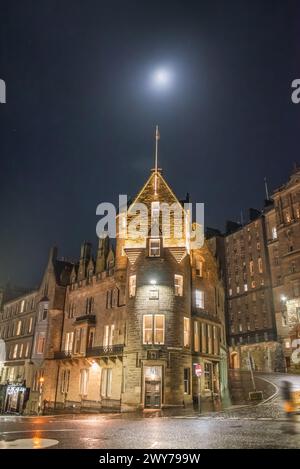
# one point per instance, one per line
(78, 126)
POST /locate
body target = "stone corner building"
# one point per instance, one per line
(121, 330)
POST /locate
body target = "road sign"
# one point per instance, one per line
(198, 369)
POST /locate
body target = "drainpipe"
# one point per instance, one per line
(61, 338)
(56, 384)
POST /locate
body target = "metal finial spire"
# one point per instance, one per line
(157, 137)
(266, 189)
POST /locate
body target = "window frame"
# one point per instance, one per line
(186, 332)
(178, 284)
(132, 286)
(152, 241)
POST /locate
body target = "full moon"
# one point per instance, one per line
(162, 78)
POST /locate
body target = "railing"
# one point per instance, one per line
(105, 351)
(63, 354)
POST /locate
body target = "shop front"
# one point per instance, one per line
(13, 398)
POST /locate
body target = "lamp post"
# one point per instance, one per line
(41, 382)
(283, 300)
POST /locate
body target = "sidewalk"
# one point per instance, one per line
(237, 397)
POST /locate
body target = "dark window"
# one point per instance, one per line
(186, 380)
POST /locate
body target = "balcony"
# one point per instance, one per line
(105, 351)
(62, 354)
(85, 318)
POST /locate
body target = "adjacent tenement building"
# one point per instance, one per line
(31, 326)
(283, 242)
(251, 328)
(261, 264)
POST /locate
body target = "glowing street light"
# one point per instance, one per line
(283, 298)
(153, 282)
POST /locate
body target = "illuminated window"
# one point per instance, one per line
(245, 287)
(260, 265)
(274, 232)
(69, 341)
(108, 336)
(21, 350)
(251, 267)
(199, 296)
(159, 329)
(40, 343)
(147, 328)
(132, 285)
(196, 337)
(288, 217)
(153, 329)
(65, 381)
(19, 325)
(106, 382)
(186, 332)
(253, 284)
(154, 247)
(230, 292)
(30, 324)
(15, 352)
(77, 345)
(36, 380)
(22, 307)
(27, 350)
(238, 289)
(178, 283)
(84, 381)
(287, 344)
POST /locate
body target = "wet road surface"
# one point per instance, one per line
(260, 426)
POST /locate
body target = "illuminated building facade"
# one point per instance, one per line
(124, 329)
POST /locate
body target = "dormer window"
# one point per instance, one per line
(43, 310)
(154, 247)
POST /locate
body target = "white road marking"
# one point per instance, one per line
(43, 430)
(28, 443)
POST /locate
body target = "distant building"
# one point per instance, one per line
(251, 327)
(283, 241)
(261, 268)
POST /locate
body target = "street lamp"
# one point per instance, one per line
(283, 300)
(41, 382)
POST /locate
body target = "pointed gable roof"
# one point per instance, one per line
(162, 194)
(147, 193)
